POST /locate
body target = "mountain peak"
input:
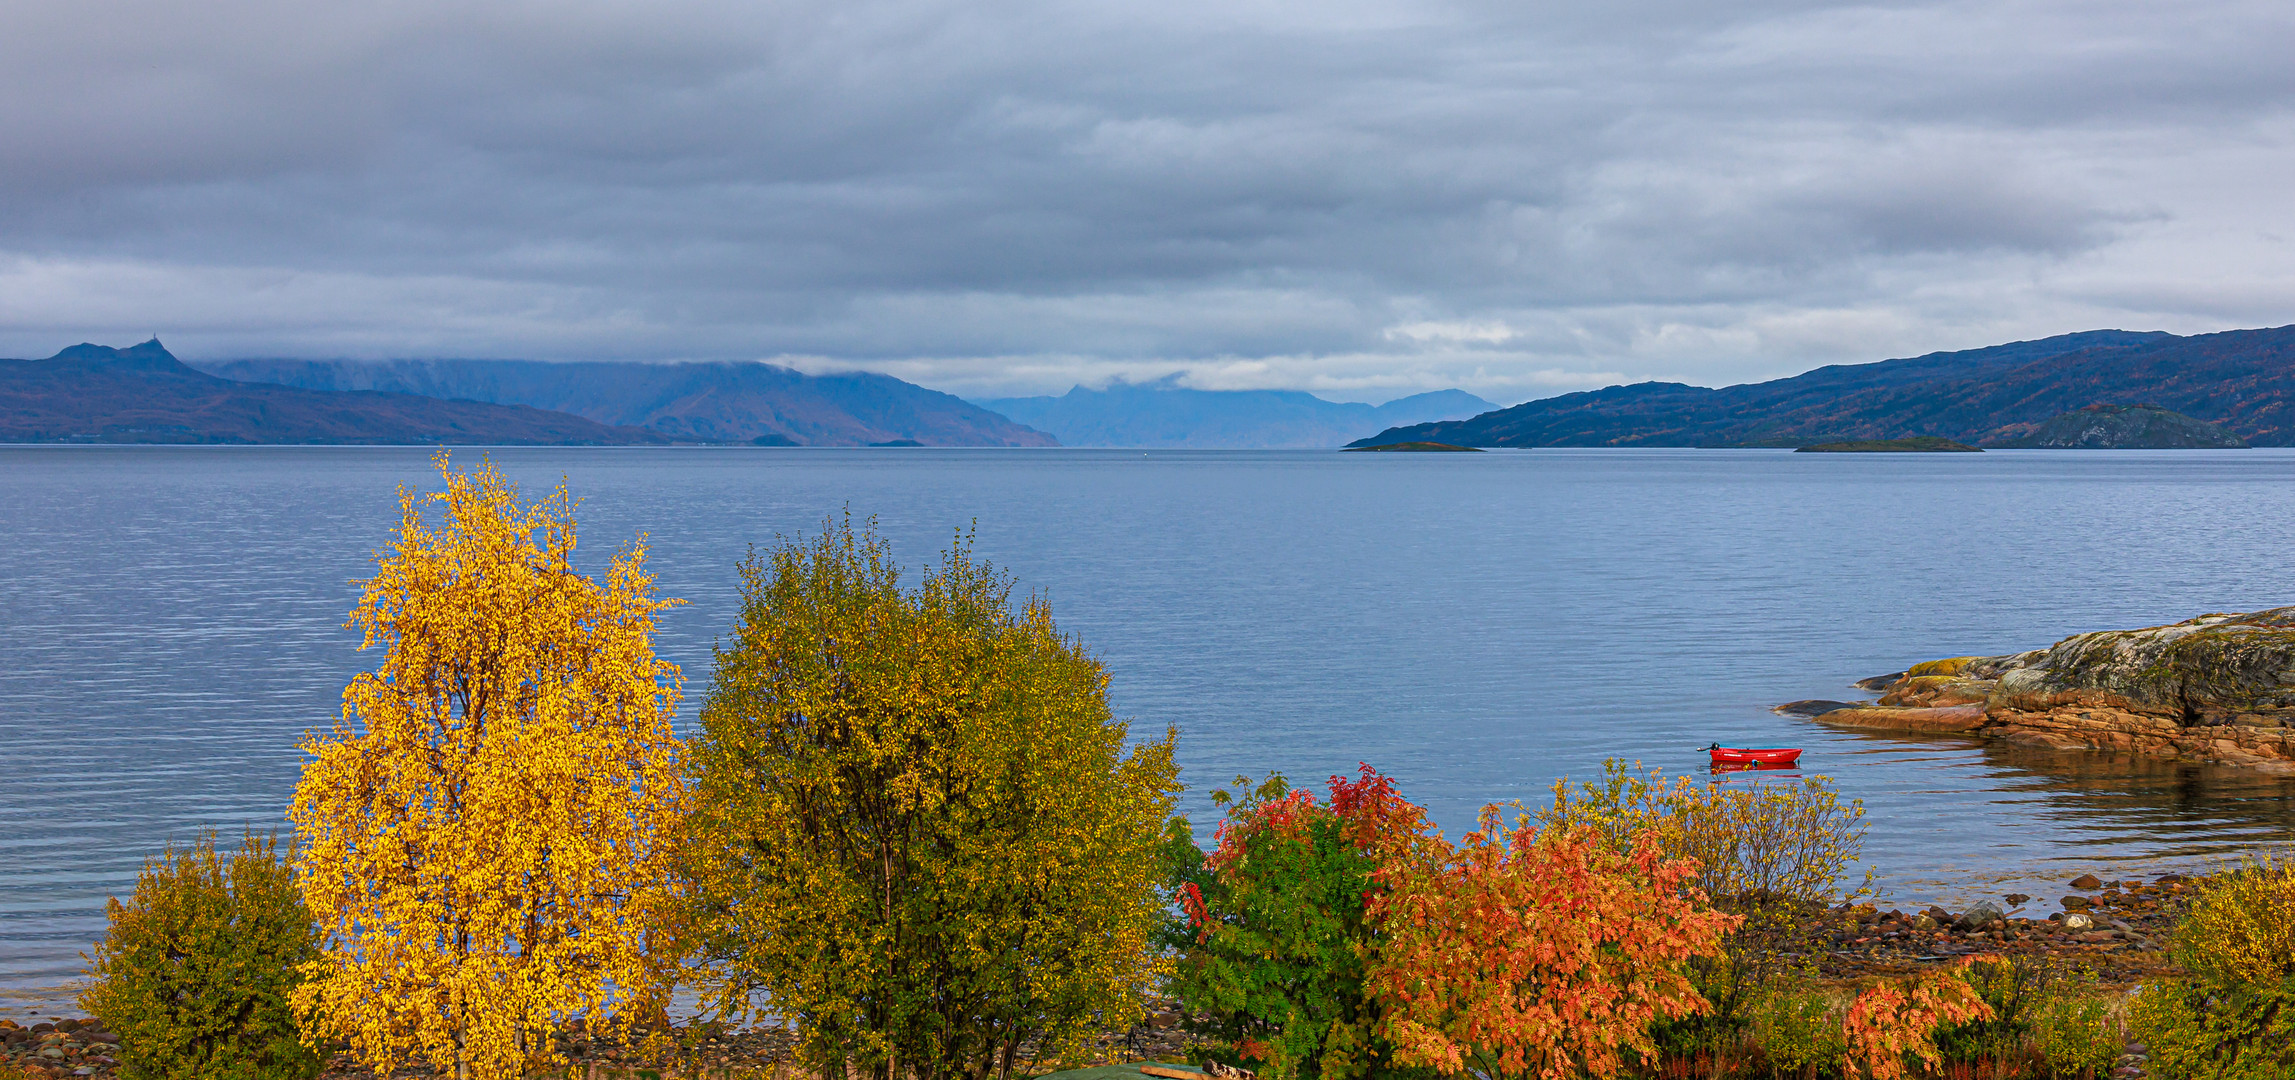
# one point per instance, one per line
(150, 355)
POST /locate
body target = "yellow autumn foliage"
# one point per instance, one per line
(918, 833)
(1787, 840)
(485, 836)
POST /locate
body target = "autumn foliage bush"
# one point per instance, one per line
(1277, 934)
(919, 832)
(2013, 989)
(2076, 1033)
(2233, 1015)
(1545, 953)
(1891, 1028)
(1347, 938)
(195, 971)
(1772, 853)
(1754, 840)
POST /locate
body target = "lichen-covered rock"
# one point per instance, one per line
(1938, 690)
(2214, 669)
(1951, 666)
(2215, 688)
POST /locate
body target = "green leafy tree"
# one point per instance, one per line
(195, 972)
(918, 830)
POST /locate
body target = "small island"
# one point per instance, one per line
(1416, 448)
(1918, 444)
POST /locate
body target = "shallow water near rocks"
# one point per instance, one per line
(1476, 625)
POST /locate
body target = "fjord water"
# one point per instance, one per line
(1476, 625)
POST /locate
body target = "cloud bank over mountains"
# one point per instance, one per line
(1010, 198)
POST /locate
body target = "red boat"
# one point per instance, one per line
(1771, 758)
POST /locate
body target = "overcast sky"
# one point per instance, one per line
(1365, 199)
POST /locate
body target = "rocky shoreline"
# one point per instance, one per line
(79, 1047)
(2217, 688)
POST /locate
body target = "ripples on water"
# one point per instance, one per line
(1475, 625)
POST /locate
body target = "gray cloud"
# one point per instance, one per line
(1010, 197)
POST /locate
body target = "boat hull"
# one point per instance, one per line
(1767, 758)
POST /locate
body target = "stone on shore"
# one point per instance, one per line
(1814, 707)
(1982, 915)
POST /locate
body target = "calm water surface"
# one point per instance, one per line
(1476, 625)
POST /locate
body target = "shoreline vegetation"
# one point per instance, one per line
(911, 842)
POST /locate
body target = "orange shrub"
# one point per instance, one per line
(1889, 1021)
(1537, 953)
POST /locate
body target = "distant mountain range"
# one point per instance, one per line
(717, 402)
(2243, 380)
(1164, 414)
(143, 394)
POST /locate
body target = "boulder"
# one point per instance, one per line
(2087, 881)
(1878, 683)
(1814, 707)
(1980, 915)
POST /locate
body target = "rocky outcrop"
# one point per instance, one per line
(2123, 427)
(2216, 688)
(1950, 718)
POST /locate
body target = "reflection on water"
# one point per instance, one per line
(170, 623)
(2052, 815)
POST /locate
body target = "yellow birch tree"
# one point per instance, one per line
(486, 834)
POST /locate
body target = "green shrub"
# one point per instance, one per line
(2234, 1018)
(2233, 1035)
(2012, 987)
(1274, 944)
(2076, 1034)
(195, 971)
(1798, 1031)
(2240, 927)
